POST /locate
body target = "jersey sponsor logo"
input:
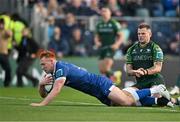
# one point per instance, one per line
(159, 55)
(106, 30)
(142, 57)
(59, 73)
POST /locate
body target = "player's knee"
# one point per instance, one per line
(126, 103)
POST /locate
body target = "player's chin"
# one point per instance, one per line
(142, 42)
(46, 71)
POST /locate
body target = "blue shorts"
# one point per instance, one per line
(102, 87)
(94, 85)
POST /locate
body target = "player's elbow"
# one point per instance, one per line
(158, 69)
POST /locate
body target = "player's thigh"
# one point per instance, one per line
(108, 61)
(119, 97)
(105, 64)
(101, 66)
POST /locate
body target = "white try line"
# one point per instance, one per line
(58, 101)
(86, 103)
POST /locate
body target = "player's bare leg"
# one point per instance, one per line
(118, 97)
(105, 66)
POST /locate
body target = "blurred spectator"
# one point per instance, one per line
(155, 7)
(58, 44)
(60, 12)
(94, 6)
(8, 25)
(125, 31)
(174, 44)
(53, 8)
(51, 22)
(125, 36)
(141, 9)
(49, 31)
(88, 37)
(178, 11)
(131, 7)
(170, 7)
(38, 21)
(78, 8)
(18, 26)
(68, 26)
(4, 59)
(114, 7)
(78, 46)
(27, 50)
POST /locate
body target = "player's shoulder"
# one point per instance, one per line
(155, 45)
(61, 65)
(61, 69)
(115, 22)
(135, 45)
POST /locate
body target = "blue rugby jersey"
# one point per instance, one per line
(82, 80)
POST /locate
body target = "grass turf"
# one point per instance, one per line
(72, 105)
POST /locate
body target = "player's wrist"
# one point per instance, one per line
(145, 72)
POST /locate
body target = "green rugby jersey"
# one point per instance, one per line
(144, 57)
(107, 31)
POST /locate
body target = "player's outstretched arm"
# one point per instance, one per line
(55, 91)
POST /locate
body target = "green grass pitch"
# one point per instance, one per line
(72, 105)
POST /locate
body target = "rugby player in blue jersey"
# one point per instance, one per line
(101, 87)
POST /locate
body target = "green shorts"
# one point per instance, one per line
(149, 83)
(106, 52)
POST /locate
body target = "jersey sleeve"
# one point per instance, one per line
(158, 54)
(128, 56)
(61, 72)
(117, 26)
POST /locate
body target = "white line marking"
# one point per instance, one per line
(86, 103)
(61, 101)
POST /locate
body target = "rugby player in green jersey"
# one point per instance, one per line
(145, 59)
(108, 38)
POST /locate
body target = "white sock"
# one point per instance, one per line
(156, 101)
(154, 90)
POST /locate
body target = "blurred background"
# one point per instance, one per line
(73, 23)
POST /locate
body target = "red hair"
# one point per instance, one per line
(46, 53)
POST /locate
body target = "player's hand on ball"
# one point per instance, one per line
(47, 78)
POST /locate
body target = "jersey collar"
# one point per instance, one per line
(145, 45)
(54, 67)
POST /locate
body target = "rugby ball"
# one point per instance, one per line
(48, 87)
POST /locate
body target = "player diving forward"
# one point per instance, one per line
(101, 87)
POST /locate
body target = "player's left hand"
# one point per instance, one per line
(36, 104)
